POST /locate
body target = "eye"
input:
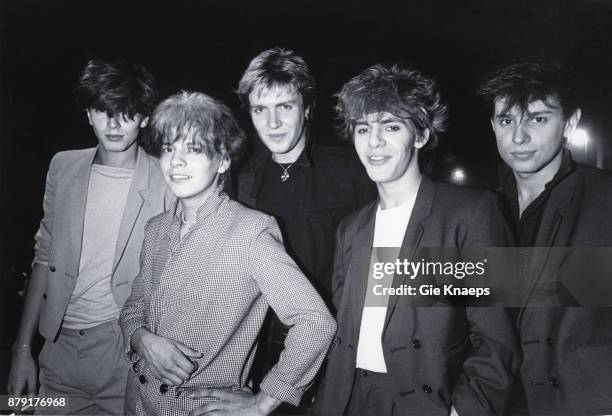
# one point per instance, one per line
(539, 120)
(393, 128)
(361, 130)
(286, 107)
(505, 121)
(257, 110)
(194, 148)
(166, 148)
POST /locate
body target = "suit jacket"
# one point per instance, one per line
(210, 290)
(437, 356)
(58, 240)
(567, 368)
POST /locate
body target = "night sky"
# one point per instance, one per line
(205, 46)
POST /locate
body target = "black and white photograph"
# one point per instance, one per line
(306, 207)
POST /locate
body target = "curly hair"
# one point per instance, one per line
(116, 88)
(275, 68)
(197, 117)
(401, 91)
(522, 83)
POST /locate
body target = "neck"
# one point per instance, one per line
(125, 159)
(530, 185)
(393, 194)
(293, 154)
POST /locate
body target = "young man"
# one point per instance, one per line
(554, 203)
(96, 204)
(307, 187)
(395, 357)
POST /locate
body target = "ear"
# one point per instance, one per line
(88, 116)
(224, 165)
(306, 113)
(571, 123)
(144, 122)
(422, 139)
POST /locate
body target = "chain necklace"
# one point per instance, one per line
(285, 175)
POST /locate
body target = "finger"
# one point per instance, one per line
(186, 350)
(166, 377)
(206, 409)
(225, 395)
(201, 393)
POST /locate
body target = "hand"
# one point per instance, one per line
(453, 411)
(234, 403)
(168, 359)
(24, 372)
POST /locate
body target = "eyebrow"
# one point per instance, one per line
(385, 120)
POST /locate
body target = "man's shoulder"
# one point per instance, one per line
(70, 157)
(334, 156)
(460, 198)
(351, 223)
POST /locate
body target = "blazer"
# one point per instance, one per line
(567, 368)
(211, 290)
(59, 237)
(437, 356)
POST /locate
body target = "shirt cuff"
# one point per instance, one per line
(280, 390)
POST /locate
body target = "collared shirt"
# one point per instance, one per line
(325, 185)
(527, 224)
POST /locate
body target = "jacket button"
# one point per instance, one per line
(163, 388)
(142, 379)
(549, 341)
(337, 341)
(52, 268)
(427, 388)
(416, 344)
(554, 382)
(134, 365)
(44, 296)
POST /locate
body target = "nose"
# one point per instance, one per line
(177, 159)
(113, 122)
(520, 135)
(274, 120)
(375, 140)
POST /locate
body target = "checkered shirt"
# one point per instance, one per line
(211, 290)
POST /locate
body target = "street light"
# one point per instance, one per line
(458, 175)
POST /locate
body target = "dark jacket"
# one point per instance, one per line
(567, 368)
(333, 185)
(437, 356)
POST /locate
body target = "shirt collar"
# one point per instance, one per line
(208, 209)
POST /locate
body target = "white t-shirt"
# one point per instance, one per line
(389, 230)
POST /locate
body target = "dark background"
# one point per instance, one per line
(206, 45)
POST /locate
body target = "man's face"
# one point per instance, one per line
(532, 141)
(117, 133)
(190, 174)
(278, 115)
(387, 146)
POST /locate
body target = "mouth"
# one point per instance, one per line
(523, 155)
(114, 137)
(377, 160)
(178, 177)
(276, 136)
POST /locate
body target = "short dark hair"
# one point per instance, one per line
(116, 88)
(278, 67)
(200, 118)
(522, 83)
(401, 91)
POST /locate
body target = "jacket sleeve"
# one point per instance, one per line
(485, 384)
(133, 314)
(298, 305)
(42, 248)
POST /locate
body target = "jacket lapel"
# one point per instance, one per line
(413, 235)
(359, 269)
(553, 232)
(76, 209)
(138, 193)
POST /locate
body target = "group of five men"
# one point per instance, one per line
(391, 358)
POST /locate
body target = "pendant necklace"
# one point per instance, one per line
(285, 175)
